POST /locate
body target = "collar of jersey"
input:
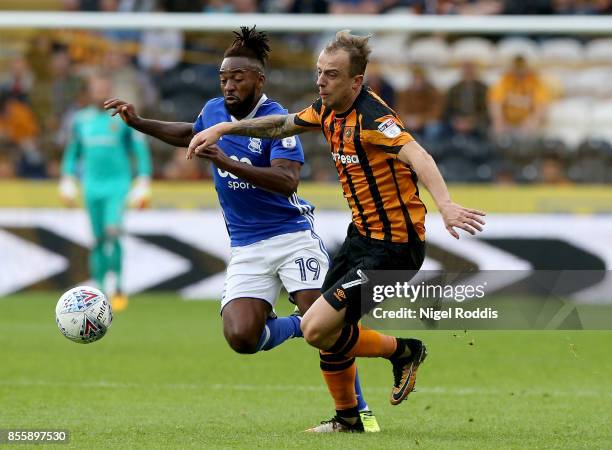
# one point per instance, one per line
(254, 111)
(343, 115)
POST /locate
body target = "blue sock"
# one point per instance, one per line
(361, 403)
(278, 331)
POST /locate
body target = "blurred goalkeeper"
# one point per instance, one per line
(102, 148)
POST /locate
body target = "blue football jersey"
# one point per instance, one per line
(251, 213)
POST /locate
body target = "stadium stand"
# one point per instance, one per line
(44, 70)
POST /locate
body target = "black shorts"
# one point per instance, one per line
(343, 282)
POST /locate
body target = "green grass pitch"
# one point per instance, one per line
(163, 377)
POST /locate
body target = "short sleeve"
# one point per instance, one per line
(198, 125)
(386, 132)
(288, 148)
(311, 116)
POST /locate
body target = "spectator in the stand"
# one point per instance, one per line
(355, 6)
(217, 6)
(601, 6)
(466, 110)
(376, 80)
(18, 124)
(18, 80)
(464, 7)
(160, 50)
(7, 168)
(518, 101)
(420, 106)
(115, 36)
(19, 132)
(244, 6)
(38, 55)
(552, 171)
(66, 86)
(563, 7)
(127, 81)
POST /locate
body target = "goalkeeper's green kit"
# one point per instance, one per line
(102, 149)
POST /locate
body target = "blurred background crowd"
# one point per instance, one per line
(504, 109)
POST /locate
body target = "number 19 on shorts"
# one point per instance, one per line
(310, 265)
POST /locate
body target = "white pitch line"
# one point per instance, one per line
(440, 390)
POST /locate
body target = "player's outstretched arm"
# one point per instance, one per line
(454, 215)
(276, 126)
(178, 134)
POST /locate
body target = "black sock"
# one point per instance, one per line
(405, 348)
(351, 415)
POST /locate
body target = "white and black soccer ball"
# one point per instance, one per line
(83, 314)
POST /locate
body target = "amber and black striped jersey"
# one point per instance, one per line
(380, 189)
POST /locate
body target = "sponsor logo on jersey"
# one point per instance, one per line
(255, 145)
(345, 159)
(235, 183)
(389, 128)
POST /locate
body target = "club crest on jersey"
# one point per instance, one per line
(289, 142)
(348, 134)
(255, 145)
(389, 128)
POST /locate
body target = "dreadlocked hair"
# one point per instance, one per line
(251, 44)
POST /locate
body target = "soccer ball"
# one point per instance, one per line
(83, 314)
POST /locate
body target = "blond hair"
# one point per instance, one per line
(357, 48)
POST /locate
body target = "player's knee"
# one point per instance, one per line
(313, 333)
(241, 342)
(112, 233)
(99, 242)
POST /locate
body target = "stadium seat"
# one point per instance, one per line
(390, 48)
(567, 121)
(599, 51)
(491, 76)
(509, 48)
(562, 82)
(600, 122)
(594, 82)
(563, 51)
(398, 77)
(473, 49)
(429, 51)
(443, 79)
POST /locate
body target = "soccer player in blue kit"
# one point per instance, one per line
(271, 229)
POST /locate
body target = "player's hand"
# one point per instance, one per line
(140, 194)
(456, 216)
(214, 154)
(126, 110)
(68, 190)
(203, 139)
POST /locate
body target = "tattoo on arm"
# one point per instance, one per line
(273, 127)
